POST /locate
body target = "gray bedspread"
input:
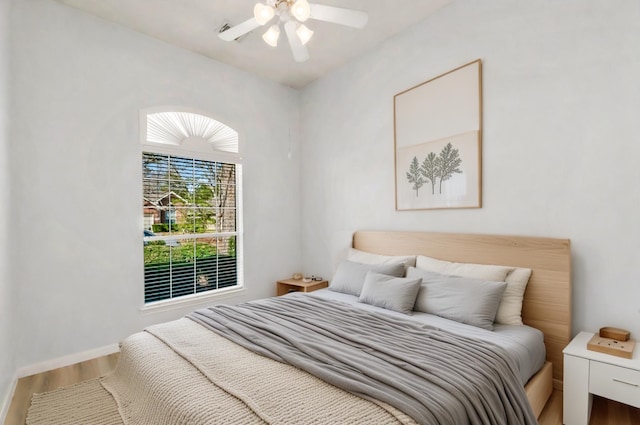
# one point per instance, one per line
(434, 376)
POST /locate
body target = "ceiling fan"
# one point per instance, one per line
(292, 14)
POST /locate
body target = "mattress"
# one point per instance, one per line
(526, 344)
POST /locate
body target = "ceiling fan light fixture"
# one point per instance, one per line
(272, 35)
(304, 33)
(301, 10)
(292, 14)
(263, 13)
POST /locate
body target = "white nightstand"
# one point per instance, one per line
(588, 372)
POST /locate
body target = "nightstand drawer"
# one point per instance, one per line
(615, 383)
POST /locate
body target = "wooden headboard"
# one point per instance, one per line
(547, 300)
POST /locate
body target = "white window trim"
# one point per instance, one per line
(218, 156)
(194, 299)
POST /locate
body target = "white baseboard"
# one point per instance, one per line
(67, 360)
(4, 407)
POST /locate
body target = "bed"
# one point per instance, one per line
(237, 364)
(547, 301)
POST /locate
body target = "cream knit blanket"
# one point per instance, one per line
(181, 373)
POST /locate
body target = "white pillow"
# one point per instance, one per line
(510, 309)
(476, 271)
(370, 258)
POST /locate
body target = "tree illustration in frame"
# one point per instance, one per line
(431, 169)
(414, 175)
(449, 163)
(438, 142)
(434, 167)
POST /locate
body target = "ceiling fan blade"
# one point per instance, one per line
(338, 15)
(239, 30)
(300, 52)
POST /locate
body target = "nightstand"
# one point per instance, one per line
(589, 372)
(297, 285)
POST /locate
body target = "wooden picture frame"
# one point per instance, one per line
(438, 141)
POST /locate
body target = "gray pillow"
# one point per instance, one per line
(349, 276)
(465, 300)
(393, 293)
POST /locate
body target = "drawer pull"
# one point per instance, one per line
(625, 382)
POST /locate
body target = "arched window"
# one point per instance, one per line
(191, 178)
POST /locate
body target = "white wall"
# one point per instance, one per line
(560, 148)
(6, 288)
(79, 83)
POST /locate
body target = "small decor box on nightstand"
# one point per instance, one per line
(588, 372)
(297, 285)
(612, 346)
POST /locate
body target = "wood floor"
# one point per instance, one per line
(53, 379)
(605, 412)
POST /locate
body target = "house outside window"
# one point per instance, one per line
(171, 216)
(191, 178)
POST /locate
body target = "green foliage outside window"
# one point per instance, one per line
(158, 252)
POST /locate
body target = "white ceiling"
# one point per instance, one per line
(194, 25)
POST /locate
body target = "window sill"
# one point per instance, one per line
(189, 300)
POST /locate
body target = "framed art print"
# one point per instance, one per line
(438, 141)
